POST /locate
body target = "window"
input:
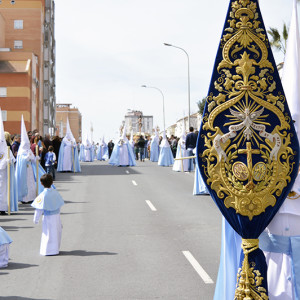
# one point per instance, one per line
(3, 92)
(4, 115)
(18, 24)
(18, 45)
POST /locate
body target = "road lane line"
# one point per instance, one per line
(205, 277)
(151, 205)
(127, 171)
(133, 182)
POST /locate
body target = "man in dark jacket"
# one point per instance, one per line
(190, 144)
(141, 144)
(110, 146)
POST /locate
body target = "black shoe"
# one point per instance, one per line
(3, 213)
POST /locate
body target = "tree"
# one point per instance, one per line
(277, 40)
(201, 105)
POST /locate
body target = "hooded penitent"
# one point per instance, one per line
(181, 165)
(7, 160)
(165, 158)
(68, 153)
(154, 147)
(102, 153)
(122, 154)
(281, 243)
(26, 169)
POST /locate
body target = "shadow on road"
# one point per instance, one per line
(20, 298)
(18, 266)
(67, 201)
(10, 219)
(15, 228)
(84, 253)
(106, 170)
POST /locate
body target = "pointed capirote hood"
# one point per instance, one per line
(164, 142)
(183, 134)
(103, 141)
(131, 137)
(155, 137)
(290, 74)
(124, 138)
(87, 142)
(69, 135)
(25, 144)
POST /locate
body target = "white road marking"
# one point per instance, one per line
(151, 205)
(205, 277)
(127, 171)
(133, 182)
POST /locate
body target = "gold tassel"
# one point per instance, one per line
(249, 280)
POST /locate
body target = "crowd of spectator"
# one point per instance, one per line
(38, 143)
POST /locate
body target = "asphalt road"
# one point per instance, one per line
(128, 233)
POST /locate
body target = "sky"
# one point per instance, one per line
(107, 49)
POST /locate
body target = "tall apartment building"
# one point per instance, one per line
(134, 119)
(64, 112)
(27, 64)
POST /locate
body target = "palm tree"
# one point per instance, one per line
(277, 40)
(201, 105)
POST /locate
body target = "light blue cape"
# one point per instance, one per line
(199, 185)
(115, 156)
(13, 189)
(165, 158)
(229, 263)
(4, 237)
(21, 176)
(49, 200)
(154, 151)
(82, 155)
(102, 153)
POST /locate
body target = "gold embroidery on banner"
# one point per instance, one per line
(249, 279)
(247, 162)
(247, 90)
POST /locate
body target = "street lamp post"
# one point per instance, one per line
(188, 60)
(163, 98)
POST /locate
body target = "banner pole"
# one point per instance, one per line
(8, 180)
(37, 168)
(187, 157)
(73, 157)
(181, 157)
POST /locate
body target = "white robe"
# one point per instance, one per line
(87, 153)
(124, 158)
(280, 278)
(68, 160)
(51, 235)
(31, 185)
(181, 165)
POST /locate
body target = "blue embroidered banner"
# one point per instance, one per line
(247, 149)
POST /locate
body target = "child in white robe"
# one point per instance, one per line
(49, 203)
